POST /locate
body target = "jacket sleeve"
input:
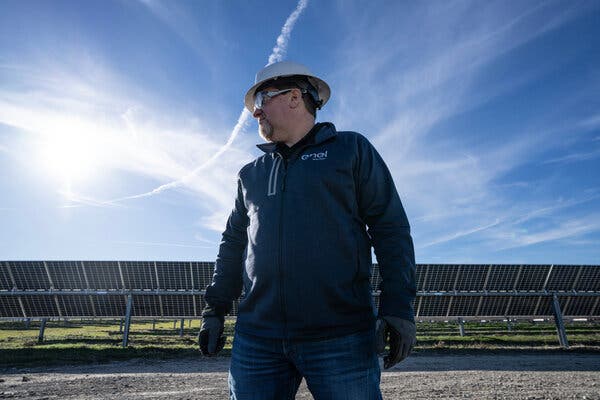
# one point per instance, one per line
(226, 283)
(382, 211)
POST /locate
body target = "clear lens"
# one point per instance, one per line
(259, 99)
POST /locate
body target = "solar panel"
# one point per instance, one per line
(492, 306)
(40, 306)
(102, 289)
(578, 306)
(588, 279)
(76, 305)
(522, 305)
(67, 275)
(155, 280)
(562, 277)
(179, 305)
(109, 305)
(471, 278)
(6, 282)
(503, 278)
(103, 275)
(532, 278)
(440, 278)
(543, 306)
(10, 307)
(463, 306)
(147, 306)
(420, 274)
(433, 306)
(202, 272)
(29, 275)
(139, 275)
(174, 275)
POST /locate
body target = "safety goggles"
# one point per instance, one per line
(261, 97)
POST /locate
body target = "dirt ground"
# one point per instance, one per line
(515, 376)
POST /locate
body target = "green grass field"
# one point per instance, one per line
(100, 341)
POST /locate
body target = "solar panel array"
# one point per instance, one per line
(70, 289)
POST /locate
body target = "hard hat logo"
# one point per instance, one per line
(285, 69)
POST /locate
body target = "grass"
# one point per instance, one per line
(72, 342)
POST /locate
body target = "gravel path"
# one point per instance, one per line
(526, 376)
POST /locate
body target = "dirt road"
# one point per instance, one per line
(514, 376)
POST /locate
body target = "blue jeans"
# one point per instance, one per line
(345, 367)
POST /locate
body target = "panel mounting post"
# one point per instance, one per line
(461, 326)
(42, 329)
(558, 320)
(127, 320)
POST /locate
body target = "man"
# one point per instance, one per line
(298, 242)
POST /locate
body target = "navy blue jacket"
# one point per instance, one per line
(297, 242)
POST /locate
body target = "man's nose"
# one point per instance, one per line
(257, 113)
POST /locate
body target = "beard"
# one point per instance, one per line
(265, 130)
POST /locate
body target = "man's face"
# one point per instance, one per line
(271, 116)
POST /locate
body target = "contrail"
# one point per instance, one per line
(242, 121)
(284, 37)
(276, 55)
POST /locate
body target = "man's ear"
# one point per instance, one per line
(295, 98)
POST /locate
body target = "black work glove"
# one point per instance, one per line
(211, 337)
(401, 335)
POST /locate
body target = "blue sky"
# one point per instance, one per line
(122, 125)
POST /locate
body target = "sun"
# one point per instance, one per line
(69, 156)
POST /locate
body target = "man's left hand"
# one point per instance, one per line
(402, 337)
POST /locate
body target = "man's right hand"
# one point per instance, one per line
(211, 337)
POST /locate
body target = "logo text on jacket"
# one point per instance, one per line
(315, 156)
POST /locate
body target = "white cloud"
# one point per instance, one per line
(119, 129)
(280, 48)
(575, 157)
(572, 228)
(452, 183)
(277, 55)
(591, 122)
(114, 132)
(456, 235)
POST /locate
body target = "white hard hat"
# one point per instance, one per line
(283, 69)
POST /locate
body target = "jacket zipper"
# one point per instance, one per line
(280, 261)
(272, 188)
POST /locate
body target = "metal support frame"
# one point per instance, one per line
(558, 320)
(127, 320)
(160, 299)
(461, 326)
(87, 286)
(42, 329)
(181, 327)
(193, 288)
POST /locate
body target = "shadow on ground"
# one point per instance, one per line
(131, 360)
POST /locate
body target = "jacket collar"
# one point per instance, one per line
(326, 131)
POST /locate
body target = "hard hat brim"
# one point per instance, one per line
(322, 89)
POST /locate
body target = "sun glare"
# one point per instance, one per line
(69, 157)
